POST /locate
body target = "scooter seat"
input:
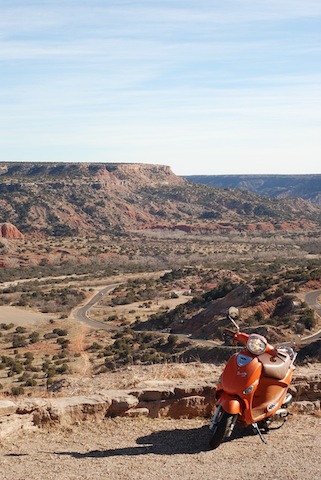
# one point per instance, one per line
(275, 367)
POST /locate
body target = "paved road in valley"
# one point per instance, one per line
(81, 314)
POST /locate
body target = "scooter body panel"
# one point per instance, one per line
(231, 404)
(241, 371)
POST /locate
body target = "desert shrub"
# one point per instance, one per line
(19, 341)
(262, 283)
(60, 332)
(6, 326)
(259, 316)
(279, 292)
(48, 336)
(21, 329)
(172, 339)
(34, 337)
(94, 347)
(15, 368)
(15, 391)
(308, 318)
(64, 342)
(31, 382)
(251, 320)
(220, 291)
(29, 357)
(62, 369)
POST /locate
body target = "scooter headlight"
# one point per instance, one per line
(256, 344)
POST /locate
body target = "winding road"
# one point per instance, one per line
(81, 314)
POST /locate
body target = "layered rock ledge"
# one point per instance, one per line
(154, 399)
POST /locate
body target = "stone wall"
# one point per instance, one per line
(154, 399)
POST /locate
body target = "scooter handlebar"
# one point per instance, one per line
(271, 350)
(239, 337)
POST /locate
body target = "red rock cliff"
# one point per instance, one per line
(7, 230)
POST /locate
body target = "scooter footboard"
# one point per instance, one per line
(231, 404)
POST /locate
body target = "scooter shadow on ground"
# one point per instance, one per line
(164, 442)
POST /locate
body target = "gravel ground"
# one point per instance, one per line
(162, 449)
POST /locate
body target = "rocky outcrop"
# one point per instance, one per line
(205, 323)
(154, 399)
(7, 230)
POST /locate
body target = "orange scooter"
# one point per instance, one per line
(253, 388)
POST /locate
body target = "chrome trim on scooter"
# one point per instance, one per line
(214, 418)
(287, 401)
(231, 427)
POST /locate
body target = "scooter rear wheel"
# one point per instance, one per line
(220, 429)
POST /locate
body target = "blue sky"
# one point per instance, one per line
(207, 87)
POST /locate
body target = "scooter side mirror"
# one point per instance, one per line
(233, 314)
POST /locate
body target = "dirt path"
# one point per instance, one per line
(144, 449)
(77, 346)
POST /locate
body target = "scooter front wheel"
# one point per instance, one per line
(221, 428)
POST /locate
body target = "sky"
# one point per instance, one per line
(208, 87)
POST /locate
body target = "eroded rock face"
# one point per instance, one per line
(73, 198)
(7, 230)
(153, 400)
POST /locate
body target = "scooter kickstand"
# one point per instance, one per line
(256, 428)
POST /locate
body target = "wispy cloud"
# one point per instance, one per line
(150, 80)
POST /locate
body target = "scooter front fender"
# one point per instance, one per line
(230, 403)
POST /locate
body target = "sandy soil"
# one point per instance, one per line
(21, 316)
(163, 449)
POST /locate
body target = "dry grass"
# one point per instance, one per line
(135, 376)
